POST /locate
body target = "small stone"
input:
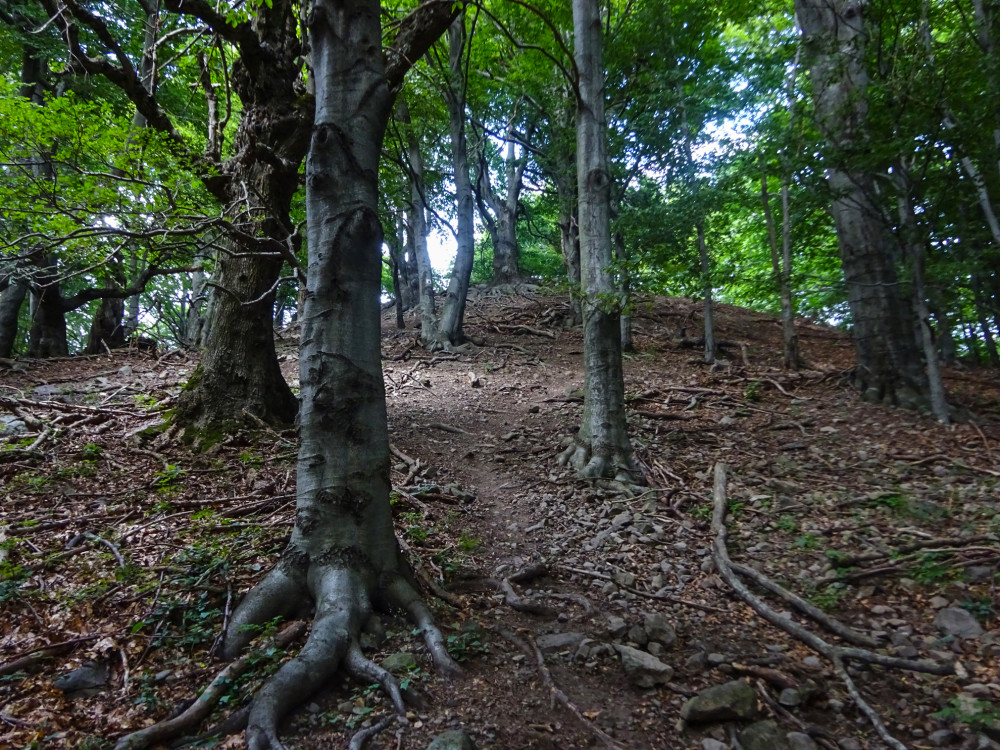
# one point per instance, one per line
(734, 700)
(697, 661)
(401, 661)
(942, 738)
(709, 744)
(813, 662)
(453, 739)
(622, 519)
(800, 741)
(638, 635)
(623, 578)
(979, 573)
(617, 627)
(715, 659)
(559, 641)
(849, 743)
(790, 697)
(939, 602)
(763, 735)
(958, 622)
(83, 682)
(659, 629)
(642, 669)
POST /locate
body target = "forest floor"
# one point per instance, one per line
(123, 549)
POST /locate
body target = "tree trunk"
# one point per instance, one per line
(47, 335)
(781, 266)
(417, 225)
(569, 235)
(914, 243)
(889, 368)
(11, 301)
(499, 214)
(984, 324)
(625, 282)
(708, 302)
(343, 553)
(239, 371)
(450, 331)
(602, 445)
(107, 327)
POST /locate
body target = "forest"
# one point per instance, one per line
(720, 279)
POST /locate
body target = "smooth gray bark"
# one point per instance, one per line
(889, 365)
(343, 555)
(449, 328)
(781, 267)
(602, 446)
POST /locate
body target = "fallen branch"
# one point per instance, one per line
(836, 654)
(205, 702)
(32, 657)
(500, 328)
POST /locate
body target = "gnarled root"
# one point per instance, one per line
(343, 606)
(590, 465)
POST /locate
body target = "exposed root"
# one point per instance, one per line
(197, 711)
(590, 465)
(366, 671)
(402, 594)
(342, 607)
(276, 595)
(836, 654)
(364, 736)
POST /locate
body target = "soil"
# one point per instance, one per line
(125, 547)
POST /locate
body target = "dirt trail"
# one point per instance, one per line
(815, 477)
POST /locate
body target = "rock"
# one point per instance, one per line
(11, 426)
(979, 573)
(958, 622)
(727, 702)
(637, 635)
(623, 578)
(642, 669)
(849, 743)
(942, 738)
(697, 661)
(715, 659)
(790, 697)
(401, 661)
(800, 741)
(659, 629)
(453, 739)
(558, 641)
(939, 602)
(763, 735)
(709, 744)
(83, 682)
(617, 627)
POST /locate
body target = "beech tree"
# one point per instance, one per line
(602, 446)
(343, 557)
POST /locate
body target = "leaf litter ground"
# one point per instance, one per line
(124, 549)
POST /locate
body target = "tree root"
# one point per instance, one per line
(530, 648)
(836, 654)
(202, 707)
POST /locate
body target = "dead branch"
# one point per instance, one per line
(205, 702)
(836, 654)
(500, 328)
(447, 428)
(32, 657)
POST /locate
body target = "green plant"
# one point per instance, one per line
(976, 714)
(11, 578)
(931, 568)
(467, 644)
(468, 543)
(981, 607)
(788, 523)
(91, 452)
(414, 529)
(251, 459)
(807, 541)
(164, 481)
(753, 391)
(891, 501)
(828, 597)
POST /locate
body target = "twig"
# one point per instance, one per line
(28, 658)
(447, 428)
(867, 710)
(205, 702)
